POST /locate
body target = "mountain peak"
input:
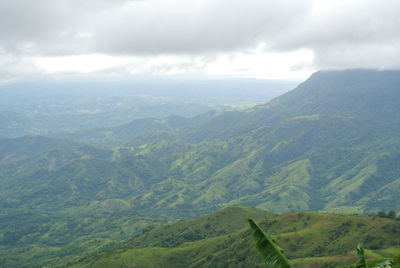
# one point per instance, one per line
(356, 77)
(357, 92)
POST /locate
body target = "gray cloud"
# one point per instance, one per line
(26, 24)
(194, 26)
(341, 33)
(141, 27)
(14, 66)
(348, 34)
(48, 27)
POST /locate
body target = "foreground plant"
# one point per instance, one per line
(268, 248)
(273, 255)
(362, 261)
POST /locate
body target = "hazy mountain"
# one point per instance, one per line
(138, 131)
(52, 106)
(359, 94)
(330, 144)
(298, 151)
(318, 147)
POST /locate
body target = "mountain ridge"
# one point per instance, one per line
(293, 153)
(201, 170)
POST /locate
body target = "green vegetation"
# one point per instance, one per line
(268, 248)
(273, 255)
(310, 239)
(331, 145)
(362, 260)
(30, 237)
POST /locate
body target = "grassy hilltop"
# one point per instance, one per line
(223, 239)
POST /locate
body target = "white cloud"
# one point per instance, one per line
(256, 63)
(198, 37)
(193, 26)
(81, 63)
(348, 34)
(15, 66)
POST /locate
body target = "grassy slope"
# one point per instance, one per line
(333, 142)
(320, 139)
(310, 239)
(314, 160)
(30, 237)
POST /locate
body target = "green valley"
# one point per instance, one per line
(331, 145)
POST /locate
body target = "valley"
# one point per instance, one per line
(73, 197)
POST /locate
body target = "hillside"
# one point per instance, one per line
(332, 144)
(337, 132)
(353, 94)
(296, 152)
(222, 239)
(47, 217)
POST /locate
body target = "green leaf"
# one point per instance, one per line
(385, 264)
(362, 262)
(268, 248)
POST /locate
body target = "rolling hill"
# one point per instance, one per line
(332, 144)
(222, 239)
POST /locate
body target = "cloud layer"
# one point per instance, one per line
(338, 33)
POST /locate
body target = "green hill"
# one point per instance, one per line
(139, 131)
(337, 132)
(332, 144)
(222, 239)
(353, 94)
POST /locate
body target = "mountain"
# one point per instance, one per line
(138, 131)
(323, 146)
(354, 94)
(223, 239)
(331, 144)
(318, 147)
(48, 107)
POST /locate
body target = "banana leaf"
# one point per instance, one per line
(362, 260)
(267, 247)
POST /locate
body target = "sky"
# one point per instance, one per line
(285, 39)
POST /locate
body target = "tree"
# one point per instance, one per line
(392, 215)
(381, 214)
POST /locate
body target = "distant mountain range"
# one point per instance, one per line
(331, 144)
(49, 107)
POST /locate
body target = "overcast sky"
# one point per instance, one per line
(286, 39)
